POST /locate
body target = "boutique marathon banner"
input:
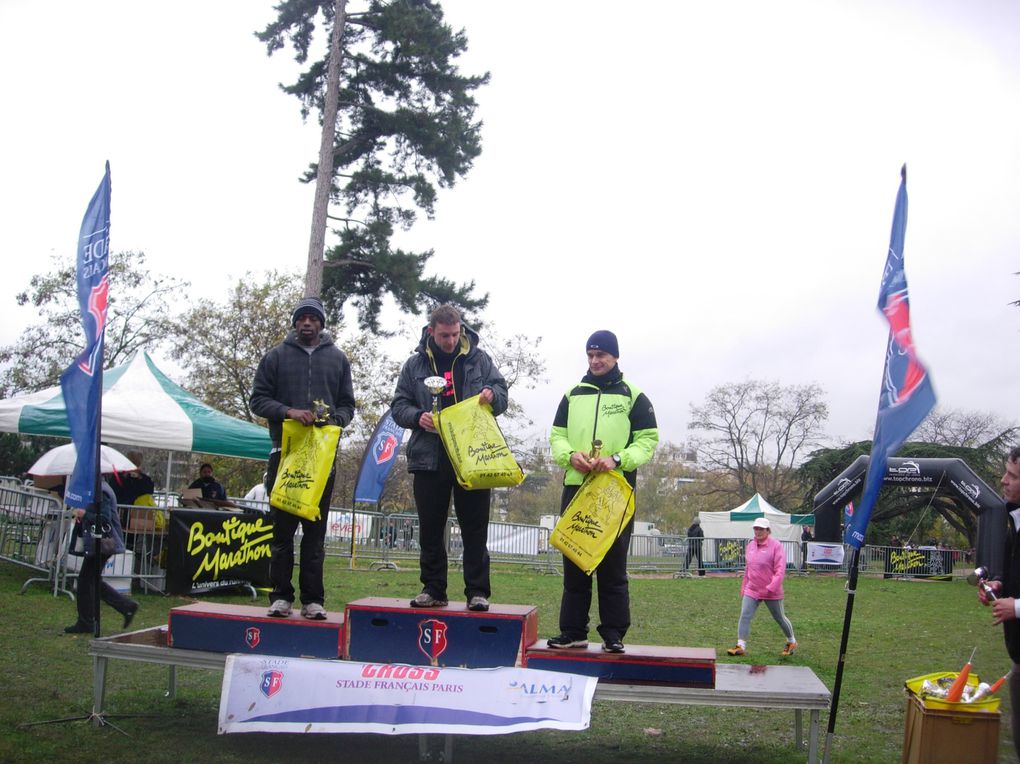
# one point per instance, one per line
(268, 694)
(216, 547)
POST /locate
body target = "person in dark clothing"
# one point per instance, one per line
(695, 538)
(1006, 609)
(308, 379)
(211, 489)
(128, 486)
(450, 350)
(84, 545)
(606, 407)
(805, 537)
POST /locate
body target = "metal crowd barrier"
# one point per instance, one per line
(34, 527)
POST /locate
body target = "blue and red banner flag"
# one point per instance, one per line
(380, 456)
(906, 394)
(82, 381)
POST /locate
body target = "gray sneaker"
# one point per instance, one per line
(478, 604)
(427, 600)
(279, 609)
(313, 611)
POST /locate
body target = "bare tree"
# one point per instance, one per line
(754, 435)
(952, 427)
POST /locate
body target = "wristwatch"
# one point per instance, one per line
(617, 459)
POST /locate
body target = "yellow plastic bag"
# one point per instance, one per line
(306, 459)
(476, 446)
(594, 519)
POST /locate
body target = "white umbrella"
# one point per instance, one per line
(61, 461)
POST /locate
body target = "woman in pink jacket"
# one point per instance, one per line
(764, 571)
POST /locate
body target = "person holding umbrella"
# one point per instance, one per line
(764, 570)
(83, 544)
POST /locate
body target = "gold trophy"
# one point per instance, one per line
(436, 385)
(596, 449)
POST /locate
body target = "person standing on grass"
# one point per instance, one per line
(1006, 609)
(108, 521)
(695, 538)
(764, 570)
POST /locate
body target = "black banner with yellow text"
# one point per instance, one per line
(210, 547)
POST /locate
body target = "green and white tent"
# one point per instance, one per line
(142, 407)
(736, 524)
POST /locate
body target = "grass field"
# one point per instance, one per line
(900, 629)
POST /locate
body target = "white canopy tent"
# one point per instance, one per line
(736, 523)
(142, 407)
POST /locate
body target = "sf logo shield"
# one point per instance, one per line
(272, 683)
(252, 636)
(432, 639)
(385, 448)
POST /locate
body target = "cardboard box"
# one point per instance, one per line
(141, 520)
(933, 736)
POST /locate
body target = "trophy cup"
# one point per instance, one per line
(596, 449)
(436, 385)
(321, 412)
(977, 578)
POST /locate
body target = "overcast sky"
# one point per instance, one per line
(712, 181)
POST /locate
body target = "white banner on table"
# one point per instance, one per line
(824, 554)
(270, 694)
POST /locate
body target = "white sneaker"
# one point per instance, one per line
(279, 609)
(313, 611)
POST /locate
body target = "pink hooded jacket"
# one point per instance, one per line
(766, 567)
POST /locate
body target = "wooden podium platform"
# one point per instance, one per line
(738, 686)
(640, 664)
(385, 630)
(216, 627)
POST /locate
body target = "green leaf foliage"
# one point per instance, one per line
(406, 125)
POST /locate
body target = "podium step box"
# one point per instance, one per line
(221, 628)
(640, 664)
(384, 630)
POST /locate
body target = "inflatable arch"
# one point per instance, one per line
(950, 475)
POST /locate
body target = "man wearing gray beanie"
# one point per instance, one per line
(607, 408)
(306, 378)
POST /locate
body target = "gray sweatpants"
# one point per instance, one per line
(747, 609)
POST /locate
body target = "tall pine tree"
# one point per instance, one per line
(406, 124)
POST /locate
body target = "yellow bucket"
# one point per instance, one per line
(986, 705)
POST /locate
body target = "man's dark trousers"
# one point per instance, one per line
(614, 592)
(313, 540)
(432, 490)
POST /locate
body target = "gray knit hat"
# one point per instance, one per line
(309, 305)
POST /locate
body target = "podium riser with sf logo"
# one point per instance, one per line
(221, 628)
(385, 630)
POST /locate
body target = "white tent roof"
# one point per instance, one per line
(142, 407)
(736, 523)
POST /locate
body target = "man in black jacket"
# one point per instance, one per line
(306, 378)
(1006, 609)
(695, 538)
(449, 350)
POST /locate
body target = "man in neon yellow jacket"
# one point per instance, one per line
(604, 407)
